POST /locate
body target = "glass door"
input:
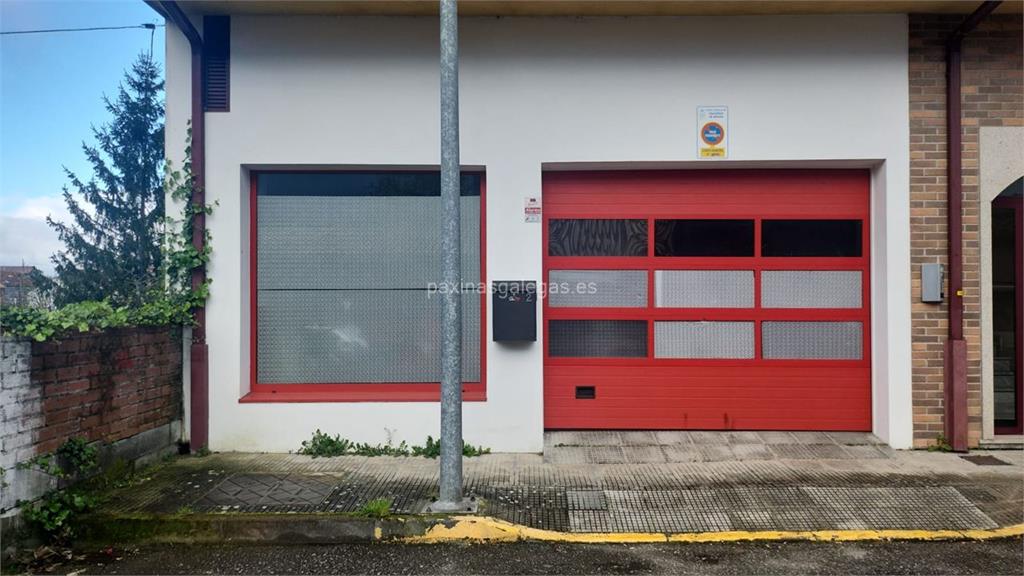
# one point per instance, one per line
(1007, 298)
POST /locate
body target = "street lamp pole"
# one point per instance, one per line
(451, 497)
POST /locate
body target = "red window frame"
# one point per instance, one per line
(262, 392)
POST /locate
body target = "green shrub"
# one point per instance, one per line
(326, 446)
(54, 514)
(378, 508)
(323, 445)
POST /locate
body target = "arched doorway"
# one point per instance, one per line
(1008, 309)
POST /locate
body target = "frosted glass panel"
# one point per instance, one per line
(597, 288)
(810, 289)
(343, 242)
(704, 288)
(812, 340)
(326, 336)
(703, 339)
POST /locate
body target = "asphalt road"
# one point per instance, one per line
(989, 558)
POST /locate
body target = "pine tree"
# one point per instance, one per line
(112, 248)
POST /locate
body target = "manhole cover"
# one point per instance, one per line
(985, 460)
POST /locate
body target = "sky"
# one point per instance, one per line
(51, 90)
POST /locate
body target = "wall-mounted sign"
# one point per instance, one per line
(531, 209)
(712, 131)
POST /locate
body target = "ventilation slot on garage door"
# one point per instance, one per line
(586, 392)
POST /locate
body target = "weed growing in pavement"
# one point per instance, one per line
(377, 508)
(323, 445)
(940, 445)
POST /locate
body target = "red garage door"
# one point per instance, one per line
(707, 300)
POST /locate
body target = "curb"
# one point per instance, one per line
(336, 528)
(486, 529)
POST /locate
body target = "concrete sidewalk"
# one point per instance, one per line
(861, 487)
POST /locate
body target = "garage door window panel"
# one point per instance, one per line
(707, 340)
(597, 288)
(597, 338)
(811, 238)
(704, 288)
(812, 289)
(703, 238)
(812, 340)
(597, 237)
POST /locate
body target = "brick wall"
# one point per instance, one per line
(109, 387)
(993, 95)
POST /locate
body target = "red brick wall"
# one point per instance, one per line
(993, 95)
(106, 386)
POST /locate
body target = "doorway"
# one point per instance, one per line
(1008, 309)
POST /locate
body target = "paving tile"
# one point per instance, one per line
(864, 452)
(638, 438)
(571, 438)
(605, 455)
(773, 437)
(752, 452)
(644, 454)
(854, 438)
(705, 437)
(811, 438)
(681, 453)
(599, 438)
(567, 455)
(589, 521)
(809, 451)
(586, 500)
(751, 520)
(672, 437)
(743, 438)
(715, 452)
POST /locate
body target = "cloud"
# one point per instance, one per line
(27, 240)
(39, 207)
(25, 235)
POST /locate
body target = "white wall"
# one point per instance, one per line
(364, 91)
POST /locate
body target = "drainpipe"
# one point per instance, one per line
(955, 350)
(199, 411)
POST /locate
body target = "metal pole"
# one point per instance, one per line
(451, 267)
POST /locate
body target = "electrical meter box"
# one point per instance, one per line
(514, 310)
(931, 283)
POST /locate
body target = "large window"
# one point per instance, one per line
(346, 284)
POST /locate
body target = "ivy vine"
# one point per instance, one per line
(174, 304)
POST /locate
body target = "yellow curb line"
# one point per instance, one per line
(486, 529)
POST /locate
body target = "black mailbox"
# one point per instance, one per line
(514, 308)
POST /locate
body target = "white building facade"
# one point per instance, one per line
(815, 94)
